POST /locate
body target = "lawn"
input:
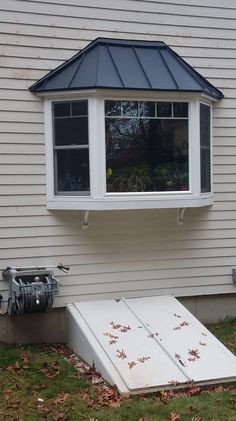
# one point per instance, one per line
(48, 383)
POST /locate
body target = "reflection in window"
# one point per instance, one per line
(205, 141)
(71, 151)
(72, 170)
(146, 146)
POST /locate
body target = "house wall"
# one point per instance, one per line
(130, 253)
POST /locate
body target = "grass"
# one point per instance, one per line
(37, 383)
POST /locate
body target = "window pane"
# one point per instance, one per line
(113, 108)
(170, 155)
(205, 173)
(130, 108)
(79, 108)
(205, 139)
(147, 109)
(71, 131)
(180, 109)
(205, 125)
(61, 109)
(146, 155)
(72, 170)
(164, 109)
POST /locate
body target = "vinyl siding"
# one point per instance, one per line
(131, 253)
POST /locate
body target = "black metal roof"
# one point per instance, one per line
(126, 64)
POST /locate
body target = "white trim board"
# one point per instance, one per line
(142, 344)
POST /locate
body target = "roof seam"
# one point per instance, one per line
(136, 55)
(76, 71)
(113, 61)
(169, 71)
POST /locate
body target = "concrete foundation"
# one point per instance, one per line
(211, 308)
(51, 327)
(34, 328)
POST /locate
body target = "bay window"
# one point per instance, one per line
(127, 126)
(128, 153)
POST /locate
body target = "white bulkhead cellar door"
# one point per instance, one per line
(142, 344)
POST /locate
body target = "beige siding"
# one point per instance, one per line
(124, 252)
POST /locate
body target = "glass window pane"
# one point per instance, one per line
(79, 108)
(71, 131)
(147, 109)
(205, 125)
(127, 170)
(170, 155)
(205, 142)
(61, 109)
(180, 109)
(205, 173)
(113, 108)
(72, 170)
(146, 155)
(130, 108)
(164, 109)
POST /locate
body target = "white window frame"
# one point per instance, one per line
(99, 199)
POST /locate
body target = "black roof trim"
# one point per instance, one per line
(108, 63)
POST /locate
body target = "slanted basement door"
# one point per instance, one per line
(142, 344)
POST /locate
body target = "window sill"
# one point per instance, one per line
(186, 200)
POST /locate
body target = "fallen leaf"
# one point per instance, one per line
(144, 419)
(125, 329)
(174, 382)
(51, 370)
(14, 368)
(194, 353)
(173, 416)
(24, 358)
(219, 389)
(193, 390)
(114, 405)
(7, 391)
(190, 410)
(115, 325)
(121, 354)
(143, 359)
(61, 398)
(59, 416)
(184, 324)
(166, 396)
(132, 364)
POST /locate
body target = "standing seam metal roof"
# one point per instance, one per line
(125, 64)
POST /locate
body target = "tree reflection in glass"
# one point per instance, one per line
(146, 152)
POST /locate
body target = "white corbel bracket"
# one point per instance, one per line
(180, 216)
(84, 215)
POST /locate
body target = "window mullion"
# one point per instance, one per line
(96, 152)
